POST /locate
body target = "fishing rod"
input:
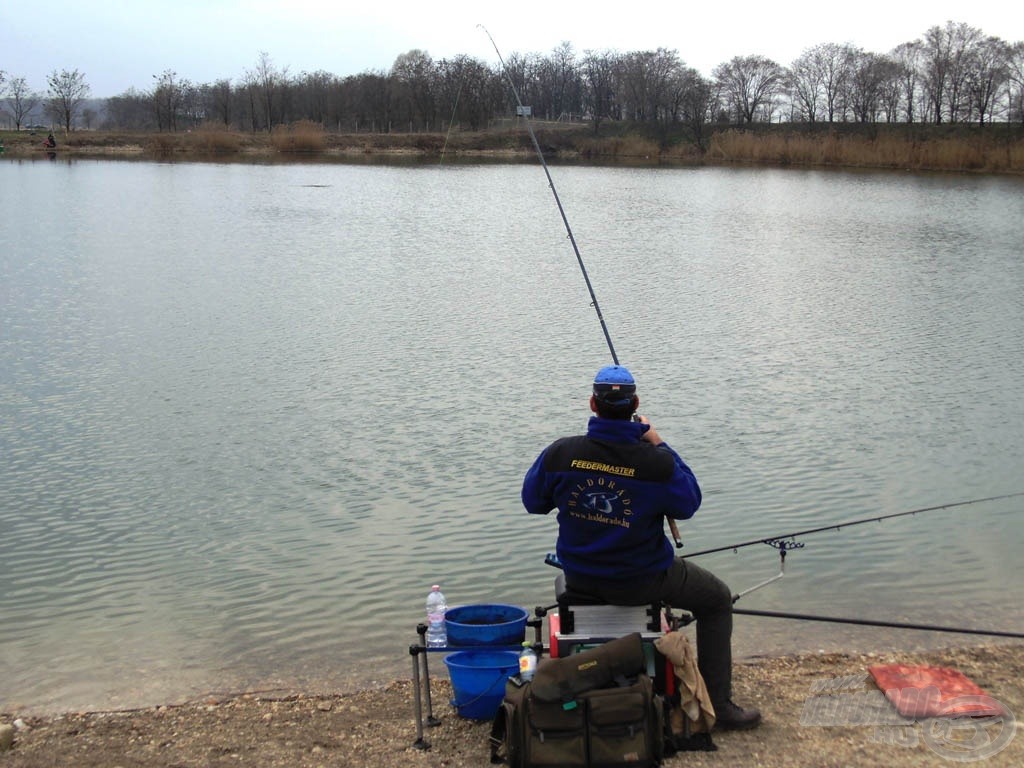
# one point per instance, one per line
(876, 623)
(673, 527)
(788, 538)
(553, 560)
(787, 542)
(554, 192)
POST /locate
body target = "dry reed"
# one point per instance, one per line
(968, 153)
(215, 139)
(989, 149)
(164, 143)
(302, 136)
(619, 146)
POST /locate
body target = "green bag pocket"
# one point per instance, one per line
(620, 727)
(555, 736)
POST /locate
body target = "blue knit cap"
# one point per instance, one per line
(614, 385)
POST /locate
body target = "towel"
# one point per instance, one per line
(693, 694)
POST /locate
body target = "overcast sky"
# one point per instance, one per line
(118, 45)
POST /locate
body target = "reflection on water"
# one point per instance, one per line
(251, 413)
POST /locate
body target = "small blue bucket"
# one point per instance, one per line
(478, 680)
(485, 624)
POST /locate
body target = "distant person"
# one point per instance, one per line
(50, 142)
(613, 488)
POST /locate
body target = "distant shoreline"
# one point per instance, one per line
(991, 149)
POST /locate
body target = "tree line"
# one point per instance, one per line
(952, 74)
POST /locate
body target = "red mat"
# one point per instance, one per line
(922, 692)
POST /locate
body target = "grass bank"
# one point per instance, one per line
(994, 149)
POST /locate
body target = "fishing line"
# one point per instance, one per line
(451, 122)
(554, 192)
(773, 540)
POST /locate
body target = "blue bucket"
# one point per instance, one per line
(484, 624)
(478, 680)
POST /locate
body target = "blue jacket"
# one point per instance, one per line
(612, 490)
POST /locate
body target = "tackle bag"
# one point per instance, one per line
(609, 719)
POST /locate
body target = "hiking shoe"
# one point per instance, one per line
(732, 717)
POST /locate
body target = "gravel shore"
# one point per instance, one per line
(376, 727)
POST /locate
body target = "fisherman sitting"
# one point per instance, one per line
(50, 142)
(612, 488)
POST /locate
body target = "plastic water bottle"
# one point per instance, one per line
(437, 637)
(527, 662)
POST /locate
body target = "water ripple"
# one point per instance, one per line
(227, 466)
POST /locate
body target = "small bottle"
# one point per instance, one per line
(437, 636)
(527, 662)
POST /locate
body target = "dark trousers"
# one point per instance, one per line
(687, 587)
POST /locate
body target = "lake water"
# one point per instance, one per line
(250, 413)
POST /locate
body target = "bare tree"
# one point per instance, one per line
(694, 103)
(598, 94)
(805, 86)
(193, 105)
(266, 83)
(472, 90)
(167, 97)
(749, 84)
(953, 73)
(1015, 73)
(947, 51)
(249, 98)
(559, 83)
(868, 76)
(987, 77)
(907, 57)
(131, 110)
(819, 77)
(313, 95)
(890, 98)
(936, 53)
(68, 90)
(369, 101)
(523, 72)
(20, 101)
(219, 99)
(459, 82)
(3, 78)
(967, 39)
(415, 76)
(645, 78)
